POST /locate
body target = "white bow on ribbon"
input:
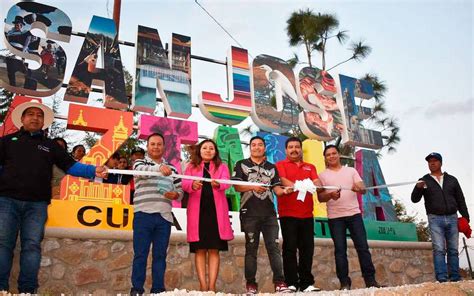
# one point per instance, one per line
(304, 186)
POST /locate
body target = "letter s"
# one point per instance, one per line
(48, 78)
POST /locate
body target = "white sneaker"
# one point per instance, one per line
(292, 289)
(311, 288)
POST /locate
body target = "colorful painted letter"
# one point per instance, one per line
(153, 71)
(116, 126)
(313, 153)
(175, 132)
(321, 118)
(377, 203)
(275, 151)
(102, 34)
(230, 149)
(48, 78)
(274, 98)
(354, 134)
(238, 106)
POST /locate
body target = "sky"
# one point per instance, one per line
(423, 50)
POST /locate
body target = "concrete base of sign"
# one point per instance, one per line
(85, 261)
(58, 232)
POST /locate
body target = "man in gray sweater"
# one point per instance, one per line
(153, 217)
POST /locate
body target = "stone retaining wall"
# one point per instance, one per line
(103, 266)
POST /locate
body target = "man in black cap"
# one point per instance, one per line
(18, 39)
(16, 36)
(443, 199)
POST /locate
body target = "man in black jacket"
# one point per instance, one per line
(27, 158)
(443, 199)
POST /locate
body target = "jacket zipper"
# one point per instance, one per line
(442, 191)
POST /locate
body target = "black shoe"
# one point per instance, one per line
(136, 292)
(374, 284)
(28, 291)
(345, 287)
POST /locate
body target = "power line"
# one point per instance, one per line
(219, 24)
(107, 8)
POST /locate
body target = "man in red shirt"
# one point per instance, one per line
(296, 219)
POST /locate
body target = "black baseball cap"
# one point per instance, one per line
(435, 155)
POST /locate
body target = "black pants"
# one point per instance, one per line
(13, 66)
(268, 226)
(298, 235)
(355, 225)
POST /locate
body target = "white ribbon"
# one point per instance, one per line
(302, 186)
(156, 174)
(371, 187)
(393, 185)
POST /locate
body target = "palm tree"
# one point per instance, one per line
(302, 28)
(295, 60)
(390, 130)
(327, 24)
(388, 125)
(314, 31)
(379, 86)
(359, 52)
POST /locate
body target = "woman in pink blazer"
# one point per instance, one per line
(208, 226)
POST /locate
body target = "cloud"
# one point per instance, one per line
(446, 108)
(412, 111)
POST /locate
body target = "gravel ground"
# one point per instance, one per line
(426, 289)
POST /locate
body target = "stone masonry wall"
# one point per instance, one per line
(76, 266)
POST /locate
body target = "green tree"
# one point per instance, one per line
(304, 27)
(302, 30)
(58, 127)
(422, 229)
(128, 85)
(130, 144)
(359, 52)
(89, 140)
(327, 24)
(6, 99)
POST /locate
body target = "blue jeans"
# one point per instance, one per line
(338, 228)
(149, 229)
(268, 226)
(445, 239)
(28, 219)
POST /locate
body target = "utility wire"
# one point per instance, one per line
(107, 8)
(219, 24)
